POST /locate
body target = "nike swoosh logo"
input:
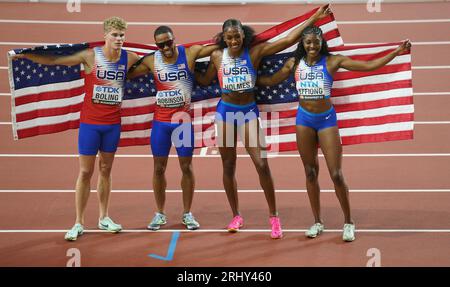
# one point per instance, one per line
(104, 225)
(328, 117)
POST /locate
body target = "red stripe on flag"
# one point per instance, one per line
(48, 129)
(373, 104)
(133, 111)
(136, 126)
(332, 34)
(280, 130)
(336, 92)
(54, 95)
(280, 28)
(285, 146)
(48, 112)
(376, 120)
(389, 69)
(389, 136)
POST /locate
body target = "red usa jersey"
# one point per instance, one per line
(174, 84)
(104, 90)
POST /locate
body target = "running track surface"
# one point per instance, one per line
(400, 191)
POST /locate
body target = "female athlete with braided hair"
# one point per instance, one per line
(236, 64)
(316, 123)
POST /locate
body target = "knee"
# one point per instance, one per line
(262, 168)
(86, 174)
(105, 169)
(159, 170)
(337, 177)
(312, 173)
(186, 168)
(229, 167)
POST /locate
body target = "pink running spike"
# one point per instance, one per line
(276, 227)
(235, 224)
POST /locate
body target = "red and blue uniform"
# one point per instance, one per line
(174, 84)
(314, 83)
(236, 75)
(100, 113)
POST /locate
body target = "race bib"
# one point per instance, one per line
(170, 99)
(107, 95)
(311, 89)
(237, 82)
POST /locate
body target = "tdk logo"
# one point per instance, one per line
(172, 93)
(110, 90)
(111, 75)
(172, 76)
(235, 71)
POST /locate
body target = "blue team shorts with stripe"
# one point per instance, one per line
(164, 134)
(316, 121)
(93, 138)
(236, 114)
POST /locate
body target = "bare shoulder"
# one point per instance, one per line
(256, 49)
(88, 56)
(132, 55)
(88, 52)
(216, 55)
(194, 49)
(336, 58)
(334, 62)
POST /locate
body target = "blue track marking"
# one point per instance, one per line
(171, 251)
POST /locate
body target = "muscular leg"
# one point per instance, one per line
(226, 139)
(159, 181)
(106, 160)
(83, 185)
(332, 149)
(307, 147)
(187, 182)
(251, 132)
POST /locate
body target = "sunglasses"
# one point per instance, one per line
(161, 45)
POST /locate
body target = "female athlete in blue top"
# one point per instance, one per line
(316, 124)
(236, 65)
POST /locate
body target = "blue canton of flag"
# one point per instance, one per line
(285, 91)
(29, 74)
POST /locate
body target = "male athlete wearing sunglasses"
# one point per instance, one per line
(173, 71)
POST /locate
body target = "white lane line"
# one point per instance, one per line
(239, 155)
(5, 123)
(404, 21)
(22, 44)
(225, 231)
(240, 191)
(432, 94)
(433, 123)
(430, 67)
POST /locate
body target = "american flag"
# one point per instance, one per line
(371, 107)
